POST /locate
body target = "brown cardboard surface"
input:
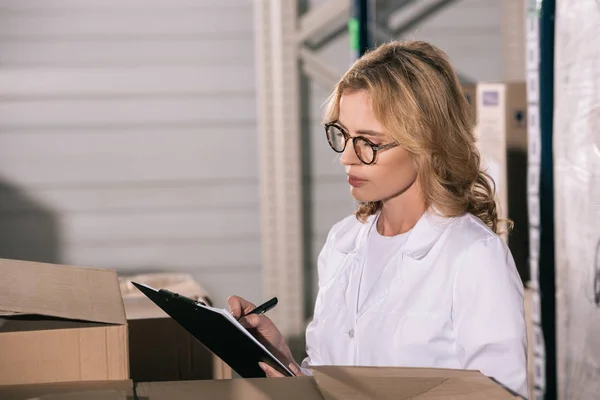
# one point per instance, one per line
(81, 390)
(96, 395)
(333, 383)
(301, 388)
(159, 348)
(60, 324)
(64, 355)
(404, 383)
(60, 291)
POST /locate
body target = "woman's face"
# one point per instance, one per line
(394, 170)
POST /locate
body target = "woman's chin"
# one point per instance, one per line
(361, 195)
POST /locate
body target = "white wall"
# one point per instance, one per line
(128, 137)
(470, 32)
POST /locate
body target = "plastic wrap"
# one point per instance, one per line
(577, 197)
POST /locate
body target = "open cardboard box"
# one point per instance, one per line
(327, 383)
(159, 348)
(333, 383)
(65, 325)
(60, 324)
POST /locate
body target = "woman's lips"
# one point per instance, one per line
(355, 181)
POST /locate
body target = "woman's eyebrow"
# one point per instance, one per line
(364, 132)
(369, 133)
(338, 122)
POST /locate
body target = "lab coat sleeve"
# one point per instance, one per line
(488, 314)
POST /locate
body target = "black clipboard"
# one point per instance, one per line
(218, 330)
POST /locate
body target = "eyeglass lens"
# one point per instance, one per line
(337, 140)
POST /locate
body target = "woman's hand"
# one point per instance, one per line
(273, 373)
(262, 328)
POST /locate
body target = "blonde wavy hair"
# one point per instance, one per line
(417, 97)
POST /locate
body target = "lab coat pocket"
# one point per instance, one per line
(394, 338)
(406, 329)
(419, 329)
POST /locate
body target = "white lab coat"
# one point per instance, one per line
(450, 298)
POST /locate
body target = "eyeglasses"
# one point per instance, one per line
(365, 150)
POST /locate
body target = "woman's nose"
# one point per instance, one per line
(349, 156)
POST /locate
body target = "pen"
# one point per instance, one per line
(266, 306)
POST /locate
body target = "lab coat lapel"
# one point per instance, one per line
(354, 247)
(421, 239)
(388, 279)
(425, 234)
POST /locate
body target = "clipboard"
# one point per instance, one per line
(218, 330)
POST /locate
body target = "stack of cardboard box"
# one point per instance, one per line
(64, 335)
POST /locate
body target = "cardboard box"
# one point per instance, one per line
(60, 324)
(159, 348)
(338, 383)
(94, 390)
(92, 395)
(501, 133)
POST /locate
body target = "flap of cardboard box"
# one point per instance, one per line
(96, 390)
(405, 383)
(90, 395)
(333, 383)
(301, 388)
(72, 293)
(138, 306)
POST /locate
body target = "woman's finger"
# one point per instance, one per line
(295, 370)
(251, 321)
(239, 306)
(270, 371)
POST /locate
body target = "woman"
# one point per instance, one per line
(419, 276)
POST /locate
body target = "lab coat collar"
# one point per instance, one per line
(421, 239)
(348, 240)
(425, 233)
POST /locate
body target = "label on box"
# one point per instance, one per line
(491, 98)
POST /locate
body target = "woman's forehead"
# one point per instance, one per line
(356, 113)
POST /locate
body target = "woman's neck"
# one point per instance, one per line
(401, 213)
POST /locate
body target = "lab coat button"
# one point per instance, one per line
(351, 333)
